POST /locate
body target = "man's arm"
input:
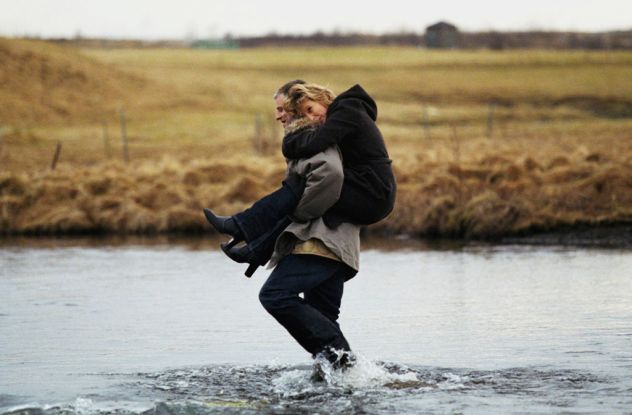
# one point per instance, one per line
(324, 176)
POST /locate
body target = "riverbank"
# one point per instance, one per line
(597, 236)
(572, 201)
(613, 236)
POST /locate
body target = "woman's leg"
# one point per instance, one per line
(356, 204)
(259, 251)
(265, 213)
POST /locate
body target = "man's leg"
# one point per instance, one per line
(326, 298)
(312, 329)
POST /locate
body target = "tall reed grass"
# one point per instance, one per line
(485, 198)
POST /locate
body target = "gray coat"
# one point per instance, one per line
(324, 175)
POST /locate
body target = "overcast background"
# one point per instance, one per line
(152, 20)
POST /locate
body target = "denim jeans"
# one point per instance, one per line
(264, 215)
(312, 320)
(263, 222)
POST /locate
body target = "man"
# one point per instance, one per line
(279, 98)
(312, 259)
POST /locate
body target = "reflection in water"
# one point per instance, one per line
(112, 241)
(210, 242)
(172, 327)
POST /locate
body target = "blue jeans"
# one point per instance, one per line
(312, 320)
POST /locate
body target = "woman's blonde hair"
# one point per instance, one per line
(299, 93)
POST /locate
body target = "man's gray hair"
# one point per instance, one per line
(285, 88)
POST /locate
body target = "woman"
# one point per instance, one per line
(368, 193)
(368, 190)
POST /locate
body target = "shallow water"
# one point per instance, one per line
(173, 327)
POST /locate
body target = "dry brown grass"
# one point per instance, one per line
(143, 197)
(486, 198)
(560, 153)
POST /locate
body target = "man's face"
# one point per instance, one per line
(279, 113)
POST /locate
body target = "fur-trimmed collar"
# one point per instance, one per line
(301, 123)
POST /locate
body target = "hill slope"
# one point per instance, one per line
(42, 82)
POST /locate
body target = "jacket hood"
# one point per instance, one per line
(358, 93)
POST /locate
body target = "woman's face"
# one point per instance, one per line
(313, 110)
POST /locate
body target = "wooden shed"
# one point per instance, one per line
(442, 35)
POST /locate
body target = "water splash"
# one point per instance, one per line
(364, 374)
(370, 387)
(85, 406)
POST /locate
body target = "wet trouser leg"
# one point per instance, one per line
(311, 321)
(266, 213)
(326, 298)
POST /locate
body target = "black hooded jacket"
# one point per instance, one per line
(350, 124)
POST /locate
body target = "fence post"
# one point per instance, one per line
(56, 156)
(273, 137)
(425, 120)
(106, 139)
(1, 142)
(258, 134)
(490, 119)
(456, 145)
(457, 161)
(124, 135)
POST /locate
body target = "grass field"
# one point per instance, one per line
(484, 143)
